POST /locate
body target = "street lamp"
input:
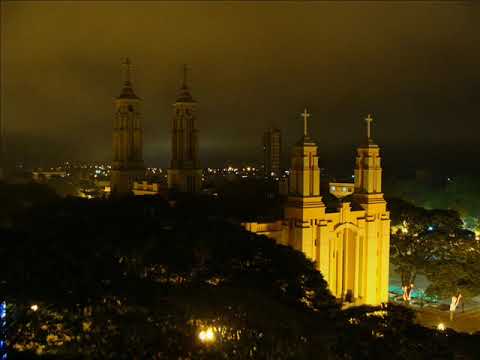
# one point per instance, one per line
(207, 336)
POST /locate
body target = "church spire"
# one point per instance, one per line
(368, 169)
(184, 174)
(305, 138)
(305, 171)
(305, 116)
(127, 90)
(127, 165)
(184, 94)
(185, 69)
(369, 121)
(126, 65)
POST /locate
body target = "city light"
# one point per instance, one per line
(3, 329)
(207, 336)
(441, 327)
(34, 307)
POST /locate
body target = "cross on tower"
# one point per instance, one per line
(305, 116)
(185, 69)
(369, 120)
(127, 64)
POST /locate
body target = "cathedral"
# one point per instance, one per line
(349, 242)
(127, 166)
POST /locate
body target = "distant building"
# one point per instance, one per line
(185, 173)
(272, 152)
(127, 165)
(149, 188)
(347, 238)
(41, 175)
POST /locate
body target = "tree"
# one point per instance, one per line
(134, 278)
(420, 238)
(460, 193)
(117, 274)
(456, 270)
(390, 332)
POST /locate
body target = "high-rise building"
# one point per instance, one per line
(349, 240)
(184, 174)
(127, 165)
(272, 152)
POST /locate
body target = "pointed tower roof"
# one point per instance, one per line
(127, 90)
(184, 94)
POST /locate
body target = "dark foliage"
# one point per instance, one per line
(136, 279)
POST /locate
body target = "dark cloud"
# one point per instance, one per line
(413, 64)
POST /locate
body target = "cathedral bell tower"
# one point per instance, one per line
(127, 165)
(184, 174)
(368, 173)
(368, 194)
(304, 205)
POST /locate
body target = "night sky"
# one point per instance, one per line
(415, 66)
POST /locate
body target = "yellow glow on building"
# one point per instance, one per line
(350, 245)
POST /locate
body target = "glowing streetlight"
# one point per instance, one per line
(441, 327)
(3, 330)
(207, 336)
(34, 307)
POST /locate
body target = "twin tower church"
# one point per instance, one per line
(348, 239)
(184, 173)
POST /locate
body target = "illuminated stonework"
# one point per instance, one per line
(184, 174)
(127, 163)
(350, 244)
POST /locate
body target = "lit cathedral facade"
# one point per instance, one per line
(349, 244)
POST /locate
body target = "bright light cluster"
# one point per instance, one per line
(207, 335)
(377, 313)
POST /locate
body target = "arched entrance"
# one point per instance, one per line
(346, 262)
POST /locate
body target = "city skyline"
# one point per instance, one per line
(239, 179)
